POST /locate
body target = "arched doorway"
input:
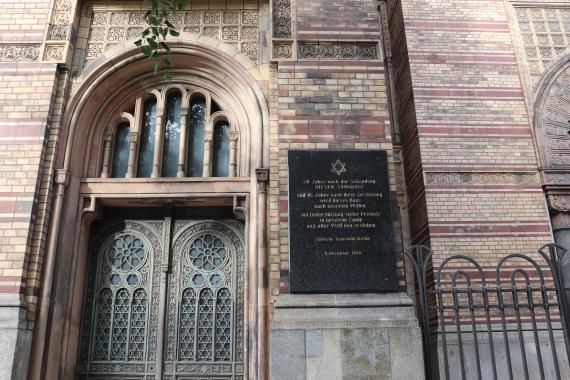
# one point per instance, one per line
(163, 157)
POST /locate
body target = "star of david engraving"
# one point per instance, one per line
(338, 167)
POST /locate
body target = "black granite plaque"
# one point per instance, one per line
(340, 222)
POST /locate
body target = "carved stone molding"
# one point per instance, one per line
(559, 203)
(561, 220)
(338, 50)
(459, 178)
(19, 53)
(282, 19)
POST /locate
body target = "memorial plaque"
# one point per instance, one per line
(340, 222)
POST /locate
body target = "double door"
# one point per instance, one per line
(164, 299)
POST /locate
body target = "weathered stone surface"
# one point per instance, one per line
(347, 337)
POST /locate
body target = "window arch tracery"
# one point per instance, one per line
(174, 131)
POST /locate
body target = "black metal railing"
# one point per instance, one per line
(505, 320)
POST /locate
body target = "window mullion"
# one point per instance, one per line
(208, 134)
(134, 134)
(158, 139)
(183, 147)
(107, 144)
(233, 153)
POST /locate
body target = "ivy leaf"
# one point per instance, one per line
(146, 50)
(138, 42)
(181, 5)
(169, 24)
(167, 76)
(174, 33)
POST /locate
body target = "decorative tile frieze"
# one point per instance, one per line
(237, 28)
(462, 178)
(282, 19)
(19, 53)
(282, 50)
(338, 50)
(545, 35)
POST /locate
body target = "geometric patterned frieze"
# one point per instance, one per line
(545, 35)
(480, 178)
(338, 50)
(556, 178)
(236, 28)
(19, 53)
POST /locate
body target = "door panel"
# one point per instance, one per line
(205, 301)
(204, 337)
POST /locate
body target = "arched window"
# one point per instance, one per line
(177, 131)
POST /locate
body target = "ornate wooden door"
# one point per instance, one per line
(204, 330)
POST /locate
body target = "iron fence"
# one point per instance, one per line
(508, 320)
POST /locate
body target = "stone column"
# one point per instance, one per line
(62, 177)
(207, 155)
(107, 145)
(133, 145)
(262, 177)
(158, 142)
(183, 147)
(233, 154)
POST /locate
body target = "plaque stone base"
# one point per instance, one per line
(346, 336)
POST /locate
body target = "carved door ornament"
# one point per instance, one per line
(204, 298)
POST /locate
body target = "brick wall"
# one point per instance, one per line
(321, 101)
(26, 93)
(482, 192)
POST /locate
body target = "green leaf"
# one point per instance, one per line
(164, 45)
(169, 24)
(145, 32)
(181, 5)
(138, 42)
(146, 50)
(174, 33)
(167, 76)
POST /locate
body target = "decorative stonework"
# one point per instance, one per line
(555, 128)
(545, 35)
(282, 50)
(19, 53)
(54, 52)
(338, 50)
(60, 21)
(282, 19)
(480, 178)
(236, 28)
(560, 202)
(556, 178)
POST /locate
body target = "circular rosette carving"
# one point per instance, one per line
(207, 252)
(127, 252)
(308, 51)
(327, 51)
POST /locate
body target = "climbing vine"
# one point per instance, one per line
(153, 42)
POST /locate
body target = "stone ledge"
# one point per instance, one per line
(333, 311)
(353, 300)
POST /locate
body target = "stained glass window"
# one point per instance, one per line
(193, 139)
(146, 150)
(171, 134)
(221, 154)
(121, 156)
(196, 137)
